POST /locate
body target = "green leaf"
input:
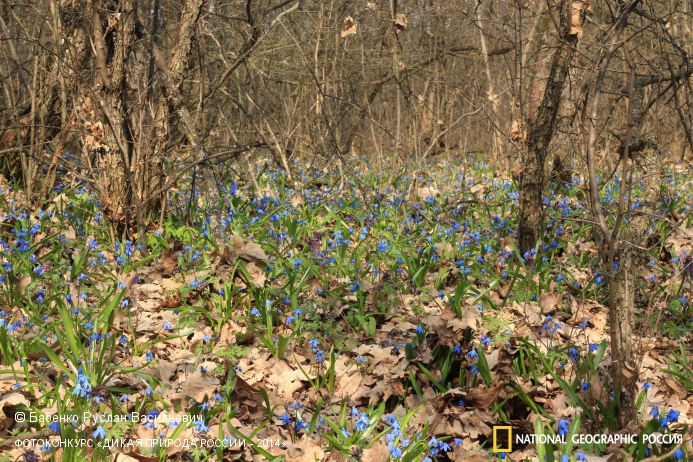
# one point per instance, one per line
(482, 364)
(415, 385)
(539, 432)
(283, 342)
(138, 263)
(440, 387)
(336, 443)
(598, 356)
(316, 414)
(573, 430)
(68, 329)
(409, 351)
(268, 406)
(57, 361)
(253, 445)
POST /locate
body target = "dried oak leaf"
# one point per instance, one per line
(252, 251)
(169, 261)
(577, 16)
(517, 132)
(517, 172)
(400, 22)
(94, 137)
(257, 276)
(426, 192)
(7, 406)
(173, 301)
(448, 334)
(201, 385)
(310, 451)
(376, 452)
(349, 26)
(478, 398)
(549, 303)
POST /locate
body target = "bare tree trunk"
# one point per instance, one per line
(117, 194)
(646, 155)
(491, 93)
(173, 108)
(175, 101)
(61, 81)
(540, 134)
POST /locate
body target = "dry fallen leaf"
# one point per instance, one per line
(549, 303)
(482, 397)
(200, 385)
(94, 137)
(376, 453)
(169, 260)
(577, 16)
(349, 27)
(517, 132)
(426, 192)
(517, 172)
(7, 406)
(400, 22)
(310, 451)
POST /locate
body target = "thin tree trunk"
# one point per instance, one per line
(491, 94)
(540, 134)
(175, 101)
(115, 161)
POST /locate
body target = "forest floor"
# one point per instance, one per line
(362, 318)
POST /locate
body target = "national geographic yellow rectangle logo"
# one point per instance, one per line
(503, 431)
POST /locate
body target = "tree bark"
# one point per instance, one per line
(173, 108)
(539, 138)
(117, 193)
(645, 155)
(72, 52)
(181, 112)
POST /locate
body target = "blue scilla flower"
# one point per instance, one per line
(83, 386)
(200, 426)
(301, 425)
(573, 354)
(563, 427)
(100, 432)
(362, 423)
(673, 415)
(395, 451)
